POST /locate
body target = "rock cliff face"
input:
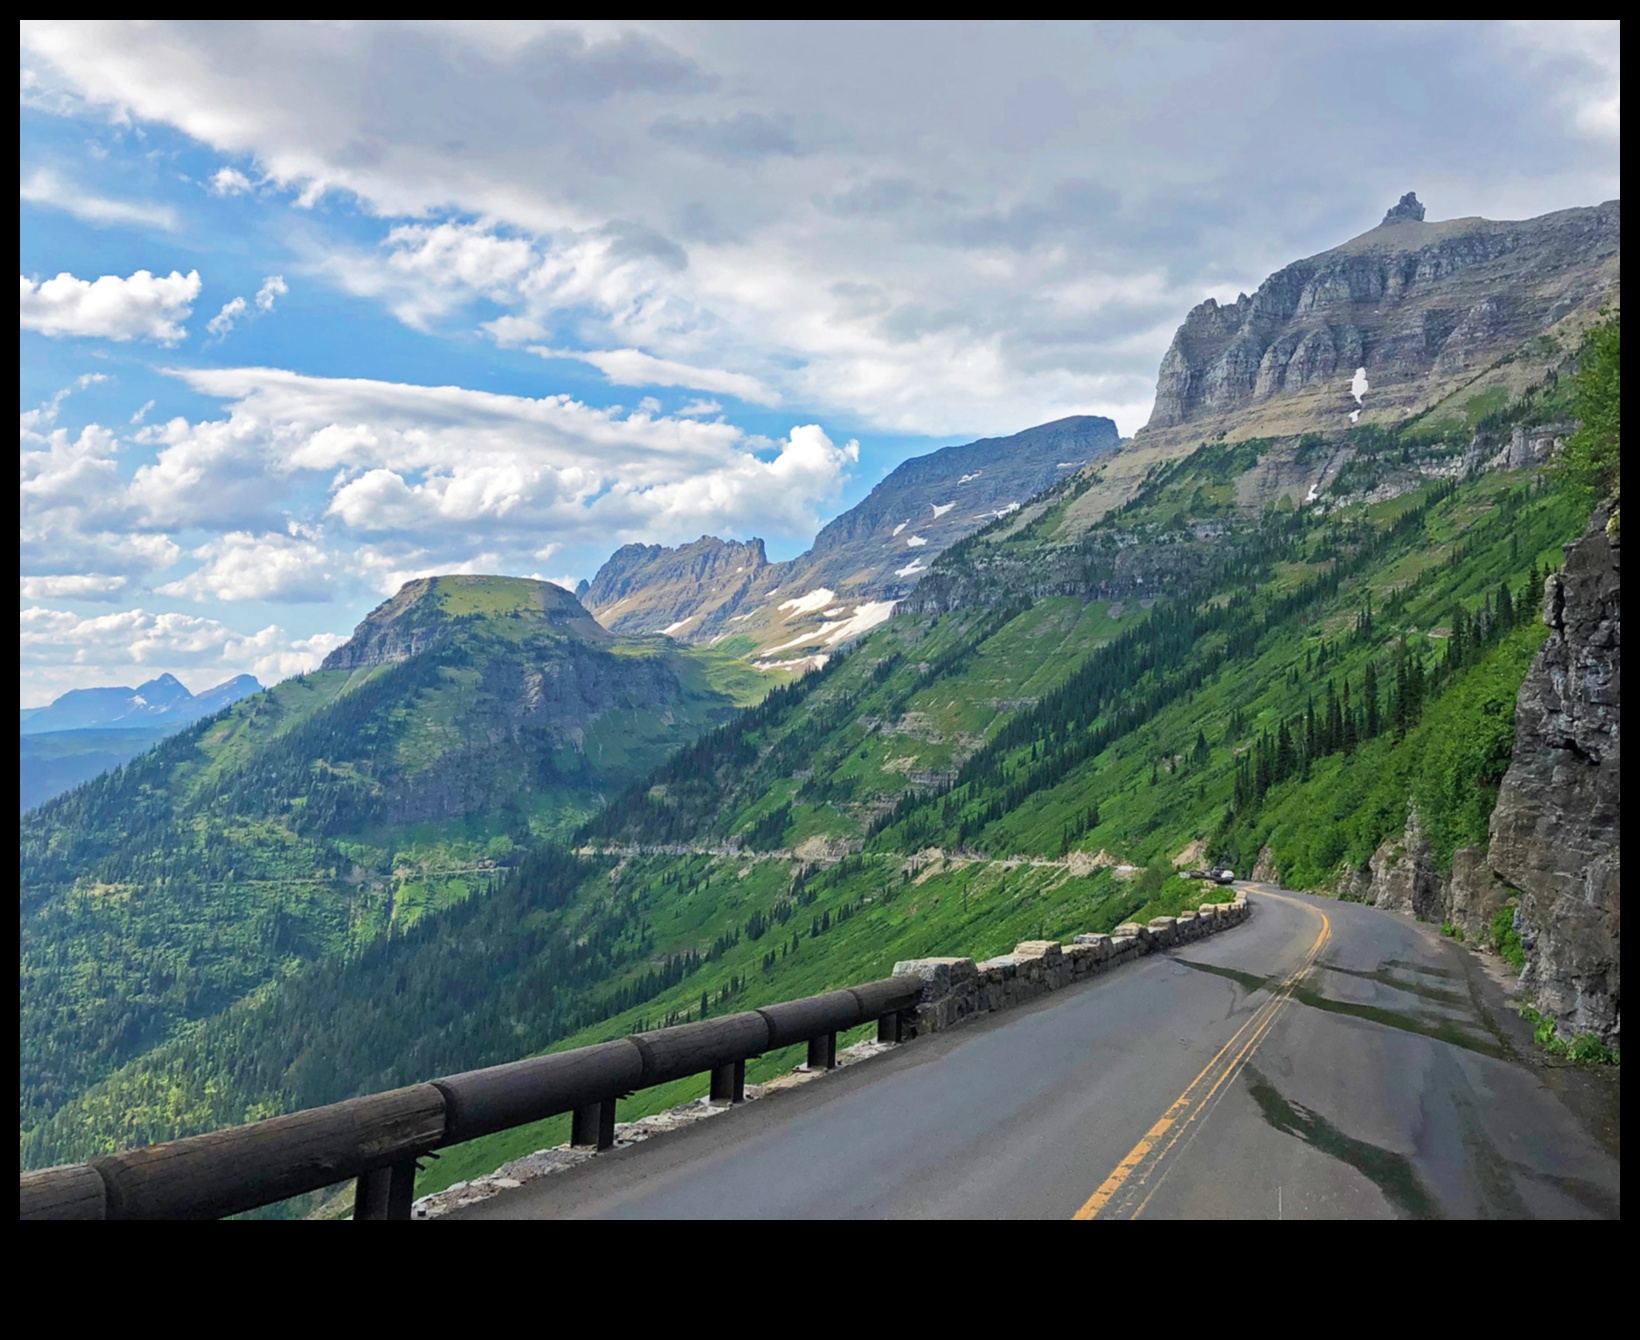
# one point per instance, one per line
(1555, 835)
(647, 588)
(1401, 877)
(1555, 840)
(871, 555)
(1421, 307)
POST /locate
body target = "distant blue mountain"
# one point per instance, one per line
(89, 731)
(59, 760)
(164, 702)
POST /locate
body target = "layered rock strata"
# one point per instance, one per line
(1418, 307)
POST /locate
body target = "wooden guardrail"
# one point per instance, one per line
(377, 1139)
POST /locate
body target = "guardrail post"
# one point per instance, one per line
(376, 1140)
(823, 1052)
(593, 1126)
(385, 1193)
(729, 1083)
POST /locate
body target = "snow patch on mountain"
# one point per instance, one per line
(808, 604)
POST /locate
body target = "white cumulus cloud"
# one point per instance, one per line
(273, 287)
(476, 465)
(143, 306)
(244, 566)
(76, 586)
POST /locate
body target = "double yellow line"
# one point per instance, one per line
(1131, 1184)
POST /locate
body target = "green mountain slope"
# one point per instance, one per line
(1012, 761)
(466, 718)
(1270, 649)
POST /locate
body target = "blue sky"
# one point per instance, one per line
(309, 309)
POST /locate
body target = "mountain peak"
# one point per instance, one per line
(1405, 210)
(426, 611)
(727, 593)
(1422, 310)
(162, 690)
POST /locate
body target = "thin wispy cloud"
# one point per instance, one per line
(44, 187)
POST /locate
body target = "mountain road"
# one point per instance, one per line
(1324, 1060)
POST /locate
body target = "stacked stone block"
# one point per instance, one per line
(957, 989)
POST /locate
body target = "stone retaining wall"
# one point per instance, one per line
(955, 989)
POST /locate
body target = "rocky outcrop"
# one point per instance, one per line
(1421, 307)
(1555, 833)
(1401, 876)
(1406, 210)
(648, 588)
(1474, 894)
(1264, 869)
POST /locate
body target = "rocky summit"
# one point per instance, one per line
(1407, 209)
(1388, 324)
(649, 588)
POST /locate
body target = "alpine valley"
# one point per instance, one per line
(1297, 624)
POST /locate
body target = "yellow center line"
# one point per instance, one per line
(1146, 1157)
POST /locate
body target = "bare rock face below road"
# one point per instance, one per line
(1555, 832)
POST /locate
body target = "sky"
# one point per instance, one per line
(309, 309)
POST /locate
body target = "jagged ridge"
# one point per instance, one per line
(872, 554)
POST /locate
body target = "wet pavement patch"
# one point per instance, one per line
(1385, 977)
(1251, 981)
(1441, 1030)
(1390, 1172)
(1412, 965)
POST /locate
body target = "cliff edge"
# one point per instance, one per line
(1555, 834)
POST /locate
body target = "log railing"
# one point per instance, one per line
(377, 1139)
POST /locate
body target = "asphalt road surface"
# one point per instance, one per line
(1323, 1060)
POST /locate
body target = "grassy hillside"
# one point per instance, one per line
(310, 820)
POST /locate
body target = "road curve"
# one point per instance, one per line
(1323, 1060)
